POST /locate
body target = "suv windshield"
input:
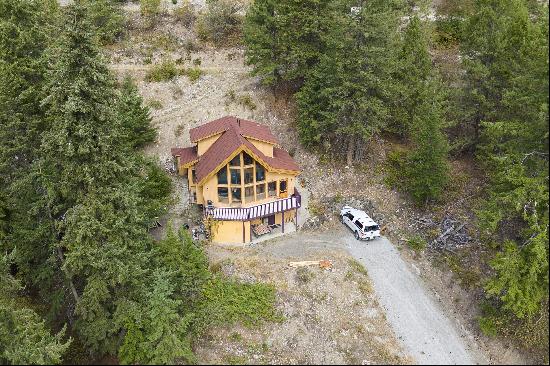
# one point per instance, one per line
(372, 228)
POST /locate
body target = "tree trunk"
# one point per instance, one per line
(351, 150)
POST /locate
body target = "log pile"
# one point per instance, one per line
(453, 235)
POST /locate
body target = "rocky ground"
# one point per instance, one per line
(226, 88)
(330, 316)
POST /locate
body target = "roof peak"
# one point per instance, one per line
(241, 126)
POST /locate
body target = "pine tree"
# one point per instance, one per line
(414, 69)
(107, 18)
(94, 192)
(285, 38)
(427, 168)
(25, 30)
(134, 116)
(345, 98)
(24, 337)
(509, 104)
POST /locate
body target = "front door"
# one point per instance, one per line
(271, 220)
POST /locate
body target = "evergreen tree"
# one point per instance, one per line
(414, 69)
(345, 98)
(134, 116)
(285, 38)
(427, 167)
(93, 192)
(24, 338)
(25, 28)
(107, 18)
(506, 58)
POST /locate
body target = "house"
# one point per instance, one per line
(242, 179)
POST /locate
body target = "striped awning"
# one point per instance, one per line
(245, 214)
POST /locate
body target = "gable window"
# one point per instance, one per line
(248, 175)
(223, 194)
(236, 161)
(247, 159)
(222, 176)
(235, 195)
(249, 194)
(235, 176)
(260, 191)
(260, 173)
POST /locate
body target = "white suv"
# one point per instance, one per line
(363, 227)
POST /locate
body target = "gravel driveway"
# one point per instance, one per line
(417, 320)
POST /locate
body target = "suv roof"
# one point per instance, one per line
(360, 215)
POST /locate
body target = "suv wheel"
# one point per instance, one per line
(356, 235)
(342, 219)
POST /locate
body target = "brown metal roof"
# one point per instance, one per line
(186, 154)
(245, 128)
(232, 140)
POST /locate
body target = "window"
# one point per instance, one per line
(193, 176)
(349, 216)
(248, 175)
(222, 176)
(235, 176)
(373, 228)
(247, 159)
(249, 194)
(260, 173)
(358, 224)
(282, 186)
(260, 191)
(223, 194)
(236, 161)
(272, 189)
(235, 195)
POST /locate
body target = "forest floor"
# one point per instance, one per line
(226, 88)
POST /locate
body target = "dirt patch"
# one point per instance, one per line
(330, 316)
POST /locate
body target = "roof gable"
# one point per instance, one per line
(241, 126)
(231, 142)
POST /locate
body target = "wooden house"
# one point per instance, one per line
(240, 176)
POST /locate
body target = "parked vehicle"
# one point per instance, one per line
(363, 227)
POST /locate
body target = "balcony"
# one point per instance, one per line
(254, 212)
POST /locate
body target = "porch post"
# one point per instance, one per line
(283, 221)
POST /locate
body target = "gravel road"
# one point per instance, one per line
(427, 334)
(417, 320)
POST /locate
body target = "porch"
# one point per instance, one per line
(259, 222)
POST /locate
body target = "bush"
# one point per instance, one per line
(221, 24)
(417, 243)
(164, 71)
(193, 74)
(227, 302)
(186, 14)
(150, 8)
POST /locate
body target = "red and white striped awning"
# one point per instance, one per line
(263, 210)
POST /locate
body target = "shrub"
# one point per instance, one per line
(228, 302)
(221, 24)
(247, 102)
(193, 74)
(150, 8)
(154, 103)
(185, 14)
(304, 275)
(164, 71)
(417, 243)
